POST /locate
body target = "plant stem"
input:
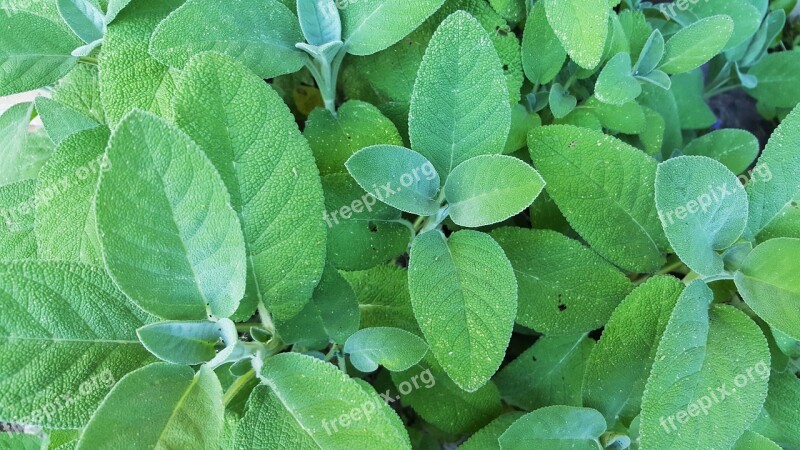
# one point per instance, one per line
(88, 60)
(237, 386)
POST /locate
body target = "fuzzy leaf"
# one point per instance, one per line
(83, 18)
(736, 149)
(556, 428)
(582, 27)
(60, 121)
(17, 238)
(542, 53)
(616, 84)
(693, 46)
(395, 349)
(371, 26)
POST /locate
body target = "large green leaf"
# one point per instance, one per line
(66, 226)
(693, 46)
(17, 216)
(251, 137)
(371, 26)
(549, 372)
(746, 16)
(736, 149)
(564, 287)
(542, 52)
(465, 299)
(703, 209)
(778, 79)
(260, 34)
(486, 437)
(477, 195)
(459, 108)
(176, 248)
(556, 428)
(323, 409)
(34, 52)
(769, 281)
(129, 76)
(606, 189)
(67, 336)
(620, 363)
(778, 175)
(709, 376)
(582, 27)
(158, 406)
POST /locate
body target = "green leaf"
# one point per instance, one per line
(693, 46)
(486, 437)
(371, 26)
(66, 224)
(322, 409)
(188, 236)
(616, 84)
(547, 373)
(556, 428)
(477, 196)
(114, 8)
(34, 52)
(397, 176)
(779, 419)
(442, 403)
(362, 232)
(651, 55)
(582, 27)
(561, 101)
(703, 209)
(459, 108)
(778, 79)
(695, 114)
(21, 156)
(383, 297)
(319, 20)
(332, 315)
(83, 18)
(17, 238)
(754, 441)
(18, 441)
(260, 34)
(395, 349)
(251, 137)
(60, 121)
(628, 118)
(709, 378)
(464, 296)
(588, 172)
(736, 149)
(564, 287)
(618, 367)
(785, 224)
(746, 16)
(67, 336)
(778, 171)
(356, 125)
(80, 90)
(542, 53)
(664, 103)
(185, 343)
(129, 76)
(161, 406)
(769, 281)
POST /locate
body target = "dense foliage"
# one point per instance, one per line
(394, 224)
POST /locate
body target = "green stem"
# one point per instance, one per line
(88, 60)
(670, 268)
(418, 223)
(237, 386)
(721, 91)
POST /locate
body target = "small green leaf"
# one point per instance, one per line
(547, 373)
(477, 196)
(383, 297)
(259, 34)
(186, 343)
(319, 20)
(83, 18)
(556, 428)
(736, 149)
(588, 172)
(162, 406)
(693, 46)
(487, 437)
(778, 79)
(34, 52)
(371, 26)
(464, 295)
(542, 53)
(746, 16)
(616, 84)
(564, 287)
(395, 349)
(651, 55)
(703, 209)
(769, 281)
(457, 115)
(60, 121)
(177, 205)
(688, 89)
(628, 118)
(582, 27)
(397, 176)
(322, 409)
(561, 101)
